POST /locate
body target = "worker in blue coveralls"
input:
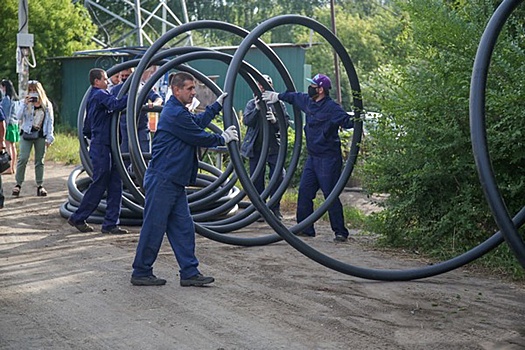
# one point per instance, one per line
(323, 165)
(173, 166)
(252, 142)
(143, 131)
(99, 109)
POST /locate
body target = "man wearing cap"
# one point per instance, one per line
(323, 165)
(252, 143)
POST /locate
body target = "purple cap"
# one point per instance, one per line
(321, 80)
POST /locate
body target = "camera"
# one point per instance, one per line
(33, 97)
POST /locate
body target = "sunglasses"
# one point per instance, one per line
(32, 82)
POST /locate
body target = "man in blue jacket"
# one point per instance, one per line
(323, 165)
(252, 142)
(173, 166)
(99, 110)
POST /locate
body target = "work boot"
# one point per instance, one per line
(340, 239)
(147, 281)
(196, 281)
(115, 231)
(82, 227)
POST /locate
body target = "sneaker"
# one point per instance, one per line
(197, 281)
(147, 281)
(115, 231)
(82, 227)
(340, 238)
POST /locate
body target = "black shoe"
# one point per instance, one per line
(147, 281)
(16, 191)
(196, 281)
(302, 234)
(340, 238)
(41, 191)
(115, 231)
(82, 227)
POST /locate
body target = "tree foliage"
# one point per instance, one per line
(59, 28)
(420, 149)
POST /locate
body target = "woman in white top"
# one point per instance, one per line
(36, 124)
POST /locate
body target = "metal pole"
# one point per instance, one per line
(138, 20)
(24, 43)
(336, 58)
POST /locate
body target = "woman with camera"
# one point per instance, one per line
(36, 123)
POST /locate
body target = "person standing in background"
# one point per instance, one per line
(252, 142)
(36, 121)
(143, 131)
(12, 130)
(2, 149)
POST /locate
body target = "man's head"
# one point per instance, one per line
(319, 87)
(182, 86)
(124, 74)
(115, 79)
(268, 79)
(98, 78)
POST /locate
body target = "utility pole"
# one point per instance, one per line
(336, 59)
(24, 42)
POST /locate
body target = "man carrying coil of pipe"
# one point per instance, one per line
(173, 166)
(323, 165)
(252, 143)
(106, 178)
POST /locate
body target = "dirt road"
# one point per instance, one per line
(61, 289)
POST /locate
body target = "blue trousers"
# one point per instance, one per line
(166, 211)
(258, 182)
(320, 173)
(105, 179)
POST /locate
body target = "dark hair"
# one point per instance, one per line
(95, 73)
(9, 89)
(178, 79)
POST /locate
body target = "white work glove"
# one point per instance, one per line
(271, 117)
(270, 96)
(257, 101)
(221, 98)
(230, 134)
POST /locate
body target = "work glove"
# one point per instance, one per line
(230, 134)
(221, 98)
(270, 96)
(271, 117)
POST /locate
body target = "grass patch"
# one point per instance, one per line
(65, 149)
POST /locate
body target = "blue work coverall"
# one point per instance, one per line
(252, 143)
(143, 131)
(325, 160)
(99, 109)
(173, 166)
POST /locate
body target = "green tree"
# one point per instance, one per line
(420, 150)
(371, 38)
(59, 28)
